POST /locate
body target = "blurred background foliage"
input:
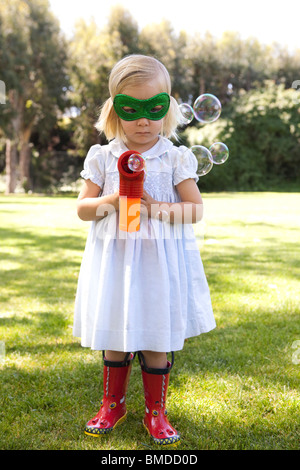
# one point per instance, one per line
(55, 87)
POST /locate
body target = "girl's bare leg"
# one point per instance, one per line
(155, 360)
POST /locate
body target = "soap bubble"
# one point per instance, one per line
(186, 112)
(204, 159)
(136, 162)
(207, 108)
(219, 152)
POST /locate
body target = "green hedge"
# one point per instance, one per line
(262, 131)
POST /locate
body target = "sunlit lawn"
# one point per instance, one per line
(236, 387)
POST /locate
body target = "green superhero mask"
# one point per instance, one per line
(130, 109)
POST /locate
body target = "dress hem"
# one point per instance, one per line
(101, 344)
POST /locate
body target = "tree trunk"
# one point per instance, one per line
(11, 166)
(12, 141)
(25, 158)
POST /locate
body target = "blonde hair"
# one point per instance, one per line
(135, 70)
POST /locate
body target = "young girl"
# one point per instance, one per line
(145, 291)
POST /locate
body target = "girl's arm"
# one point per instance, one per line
(92, 207)
(189, 211)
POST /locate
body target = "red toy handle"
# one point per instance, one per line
(130, 192)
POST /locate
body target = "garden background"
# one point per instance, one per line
(235, 388)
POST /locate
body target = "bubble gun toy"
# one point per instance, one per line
(131, 166)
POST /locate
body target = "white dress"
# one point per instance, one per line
(145, 290)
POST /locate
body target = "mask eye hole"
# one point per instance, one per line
(156, 109)
(129, 110)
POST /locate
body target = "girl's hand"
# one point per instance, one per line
(147, 202)
(115, 200)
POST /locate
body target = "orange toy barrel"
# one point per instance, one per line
(130, 210)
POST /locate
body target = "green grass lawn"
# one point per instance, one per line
(236, 387)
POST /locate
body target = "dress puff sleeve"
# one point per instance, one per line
(185, 166)
(93, 166)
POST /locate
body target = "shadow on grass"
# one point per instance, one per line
(46, 243)
(271, 257)
(44, 266)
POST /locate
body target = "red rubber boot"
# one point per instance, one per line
(113, 408)
(155, 388)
